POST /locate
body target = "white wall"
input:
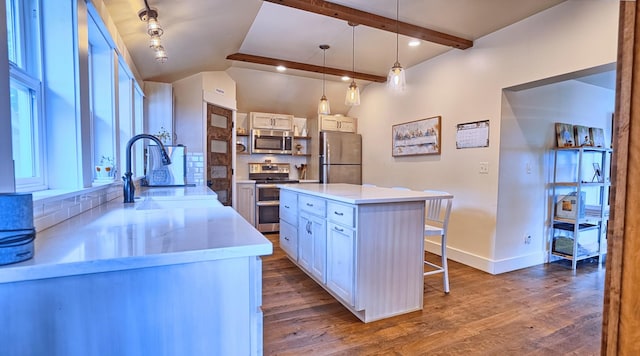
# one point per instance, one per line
(465, 86)
(526, 162)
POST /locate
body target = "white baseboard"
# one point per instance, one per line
(486, 264)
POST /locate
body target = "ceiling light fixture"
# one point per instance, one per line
(414, 43)
(323, 106)
(150, 16)
(396, 81)
(281, 68)
(353, 92)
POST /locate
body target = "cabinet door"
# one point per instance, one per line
(261, 121)
(347, 124)
(312, 241)
(246, 201)
(282, 123)
(305, 241)
(340, 261)
(271, 121)
(289, 239)
(159, 109)
(328, 123)
(319, 266)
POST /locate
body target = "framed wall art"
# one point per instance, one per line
(582, 136)
(421, 137)
(564, 133)
(597, 136)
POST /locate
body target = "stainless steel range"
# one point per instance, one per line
(267, 175)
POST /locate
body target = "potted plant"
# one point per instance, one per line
(105, 170)
(164, 136)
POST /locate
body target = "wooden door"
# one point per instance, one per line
(219, 134)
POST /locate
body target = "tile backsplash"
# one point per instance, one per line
(53, 210)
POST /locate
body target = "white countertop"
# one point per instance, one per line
(166, 226)
(358, 194)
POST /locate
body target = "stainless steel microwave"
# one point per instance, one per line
(271, 141)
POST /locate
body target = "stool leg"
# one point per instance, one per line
(445, 266)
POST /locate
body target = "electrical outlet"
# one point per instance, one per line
(527, 239)
(484, 167)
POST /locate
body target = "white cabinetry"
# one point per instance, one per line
(271, 121)
(338, 123)
(580, 208)
(289, 223)
(158, 106)
(341, 237)
(367, 254)
(246, 201)
(312, 236)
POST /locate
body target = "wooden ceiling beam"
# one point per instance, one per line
(372, 20)
(304, 66)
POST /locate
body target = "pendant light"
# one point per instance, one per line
(353, 92)
(323, 106)
(396, 81)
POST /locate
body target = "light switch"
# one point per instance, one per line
(484, 167)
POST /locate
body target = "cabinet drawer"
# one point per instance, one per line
(289, 207)
(312, 205)
(341, 214)
(289, 239)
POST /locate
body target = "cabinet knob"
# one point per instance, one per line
(287, 206)
(338, 229)
(309, 204)
(286, 238)
(337, 213)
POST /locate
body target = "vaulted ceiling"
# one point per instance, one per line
(200, 34)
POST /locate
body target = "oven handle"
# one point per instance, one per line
(267, 203)
(266, 185)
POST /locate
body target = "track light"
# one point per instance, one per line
(150, 16)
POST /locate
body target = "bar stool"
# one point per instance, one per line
(436, 223)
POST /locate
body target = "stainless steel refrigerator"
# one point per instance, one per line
(340, 157)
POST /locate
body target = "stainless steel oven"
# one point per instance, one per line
(267, 175)
(267, 207)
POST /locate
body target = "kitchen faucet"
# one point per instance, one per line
(129, 188)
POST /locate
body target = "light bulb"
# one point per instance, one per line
(353, 95)
(323, 106)
(161, 54)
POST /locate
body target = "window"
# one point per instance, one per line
(24, 43)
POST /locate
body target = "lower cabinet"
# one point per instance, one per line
(246, 201)
(312, 250)
(340, 261)
(289, 239)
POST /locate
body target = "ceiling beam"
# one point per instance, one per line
(306, 67)
(372, 20)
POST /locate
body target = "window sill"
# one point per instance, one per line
(45, 196)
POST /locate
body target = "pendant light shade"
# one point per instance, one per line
(396, 81)
(353, 92)
(323, 105)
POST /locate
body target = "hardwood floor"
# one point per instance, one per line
(542, 310)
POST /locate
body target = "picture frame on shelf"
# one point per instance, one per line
(420, 137)
(564, 134)
(597, 136)
(582, 136)
(597, 173)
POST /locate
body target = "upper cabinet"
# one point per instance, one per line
(159, 110)
(338, 123)
(267, 121)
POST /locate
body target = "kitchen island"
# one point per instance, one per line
(174, 273)
(364, 245)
